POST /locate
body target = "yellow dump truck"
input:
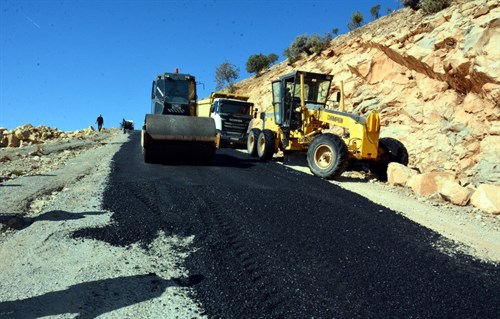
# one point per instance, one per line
(231, 113)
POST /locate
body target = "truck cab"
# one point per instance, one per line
(232, 114)
(231, 119)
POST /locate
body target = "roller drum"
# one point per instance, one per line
(162, 127)
(177, 138)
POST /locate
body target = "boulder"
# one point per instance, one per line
(22, 134)
(13, 141)
(398, 174)
(428, 183)
(453, 192)
(487, 198)
(3, 139)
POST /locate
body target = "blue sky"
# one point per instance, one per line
(62, 63)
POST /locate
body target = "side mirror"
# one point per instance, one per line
(338, 97)
(263, 116)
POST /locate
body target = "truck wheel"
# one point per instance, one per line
(327, 156)
(265, 145)
(252, 138)
(390, 150)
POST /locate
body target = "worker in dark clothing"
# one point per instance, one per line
(99, 122)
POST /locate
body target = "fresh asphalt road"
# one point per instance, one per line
(271, 242)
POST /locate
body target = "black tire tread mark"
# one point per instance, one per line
(254, 267)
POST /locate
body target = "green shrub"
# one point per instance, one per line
(308, 45)
(433, 6)
(316, 44)
(258, 62)
(411, 3)
(295, 49)
(356, 21)
(272, 58)
(375, 11)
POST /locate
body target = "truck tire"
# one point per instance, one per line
(265, 145)
(390, 150)
(252, 138)
(327, 156)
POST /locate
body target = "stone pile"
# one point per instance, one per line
(28, 135)
(444, 184)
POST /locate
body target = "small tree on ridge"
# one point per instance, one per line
(225, 75)
(356, 21)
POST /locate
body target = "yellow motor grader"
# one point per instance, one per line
(299, 121)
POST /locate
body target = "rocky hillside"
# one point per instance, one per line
(434, 80)
(32, 150)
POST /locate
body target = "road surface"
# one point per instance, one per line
(271, 242)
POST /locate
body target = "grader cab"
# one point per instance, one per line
(299, 121)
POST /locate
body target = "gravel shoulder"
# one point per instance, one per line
(43, 269)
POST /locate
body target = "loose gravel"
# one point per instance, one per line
(44, 271)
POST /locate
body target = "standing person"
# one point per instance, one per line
(99, 122)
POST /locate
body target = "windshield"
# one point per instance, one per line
(235, 108)
(176, 91)
(316, 91)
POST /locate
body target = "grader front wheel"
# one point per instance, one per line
(327, 156)
(265, 145)
(253, 136)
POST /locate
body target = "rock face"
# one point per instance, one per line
(434, 80)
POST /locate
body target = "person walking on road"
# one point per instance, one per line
(99, 122)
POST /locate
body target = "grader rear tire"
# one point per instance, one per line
(393, 150)
(252, 138)
(265, 145)
(327, 156)
(390, 150)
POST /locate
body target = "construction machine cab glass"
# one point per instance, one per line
(232, 107)
(296, 90)
(174, 93)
